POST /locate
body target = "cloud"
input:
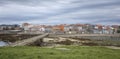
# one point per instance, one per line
(59, 11)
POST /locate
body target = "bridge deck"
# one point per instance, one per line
(27, 41)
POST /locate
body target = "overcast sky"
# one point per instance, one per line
(60, 11)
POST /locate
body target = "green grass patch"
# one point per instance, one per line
(73, 52)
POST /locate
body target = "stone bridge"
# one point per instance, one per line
(28, 41)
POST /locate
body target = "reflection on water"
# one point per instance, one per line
(2, 43)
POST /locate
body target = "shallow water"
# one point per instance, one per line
(2, 43)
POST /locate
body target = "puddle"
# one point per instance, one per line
(2, 43)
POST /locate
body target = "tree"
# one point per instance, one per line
(118, 31)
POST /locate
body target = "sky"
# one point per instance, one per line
(60, 11)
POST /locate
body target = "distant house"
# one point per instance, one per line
(10, 27)
(48, 29)
(58, 29)
(70, 28)
(116, 28)
(100, 29)
(26, 27)
(33, 28)
(89, 28)
(66, 28)
(97, 29)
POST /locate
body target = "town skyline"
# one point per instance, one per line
(63, 28)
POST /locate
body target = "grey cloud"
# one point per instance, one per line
(56, 11)
(25, 2)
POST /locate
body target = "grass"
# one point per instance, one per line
(73, 52)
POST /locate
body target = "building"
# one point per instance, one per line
(10, 27)
(72, 28)
(48, 29)
(33, 28)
